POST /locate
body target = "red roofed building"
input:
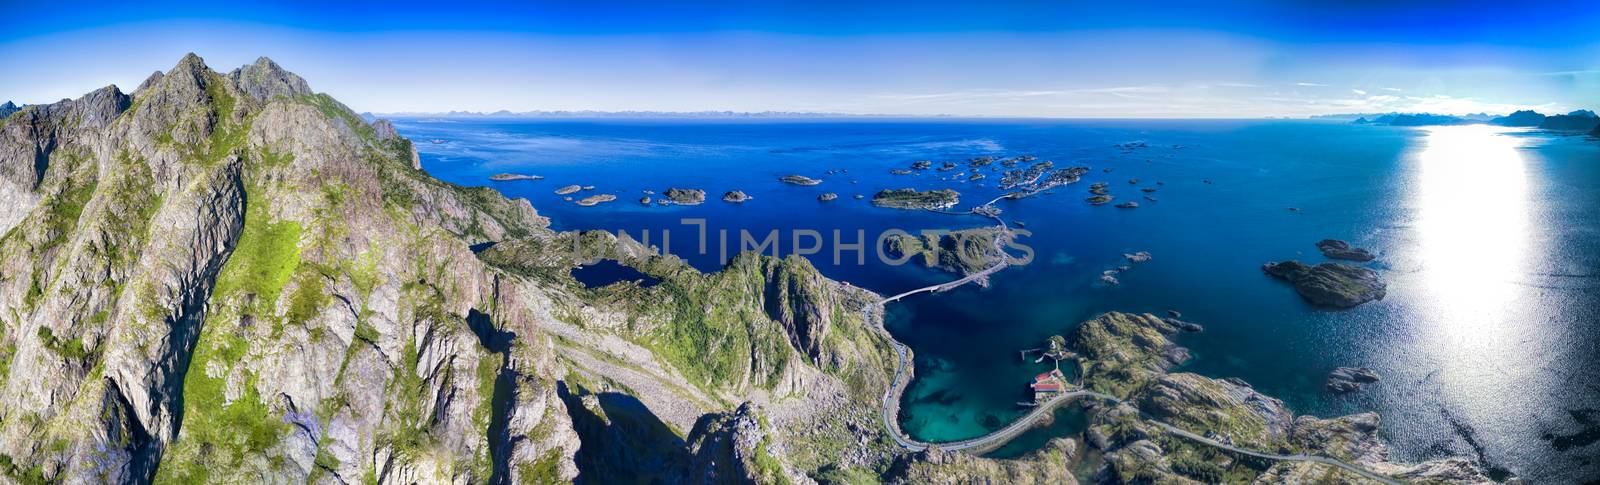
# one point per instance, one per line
(1048, 385)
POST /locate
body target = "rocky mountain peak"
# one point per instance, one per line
(154, 78)
(265, 80)
(190, 63)
(99, 108)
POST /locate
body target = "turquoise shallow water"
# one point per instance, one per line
(1490, 242)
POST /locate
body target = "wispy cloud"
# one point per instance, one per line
(1319, 85)
(1359, 92)
(986, 95)
(1580, 72)
(969, 94)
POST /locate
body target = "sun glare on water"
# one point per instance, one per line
(1473, 233)
(1473, 225)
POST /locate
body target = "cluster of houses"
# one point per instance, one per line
(1048, 385)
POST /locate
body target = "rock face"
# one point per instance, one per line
(1336, 249)
(1350, 379)
(265, 81)
(1330, 284)
(738, 448)
(8, 108)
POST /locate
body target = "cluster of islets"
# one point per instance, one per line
(1109, 277)
(671, 196)
(1021, 176)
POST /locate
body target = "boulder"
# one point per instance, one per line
(1350, 379)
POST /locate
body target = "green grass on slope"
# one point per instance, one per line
(215, 435)
(263, 260)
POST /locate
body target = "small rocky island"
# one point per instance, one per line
(828, 197)
(735, 196)
(1336, 249)
(683, 196)
(1336, 285)
(799, 180)
(964, 251)
(596, 199)
(1350, 379)
(507, 177)
(568, 189)
(915, 199)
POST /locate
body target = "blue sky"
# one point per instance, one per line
(1061, 58)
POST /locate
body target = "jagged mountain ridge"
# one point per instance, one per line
(191, 270)
(226, 277)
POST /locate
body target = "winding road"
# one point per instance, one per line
(991, 441)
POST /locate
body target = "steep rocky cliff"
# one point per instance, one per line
(228, 277)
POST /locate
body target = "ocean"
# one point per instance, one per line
(1489, 240)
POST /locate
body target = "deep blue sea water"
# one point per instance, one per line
(1489, 240)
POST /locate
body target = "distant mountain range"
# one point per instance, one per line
(1580, 121)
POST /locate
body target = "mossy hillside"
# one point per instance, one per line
(718, 329)
(768, 469)
(1204, 405)
(1120, 355)
(833, 475)
(966, 251)
(264, 258)
(8, 351)
(404, 189)
(544, 471)
(718, 338)
(488, 372)
(217, 435)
